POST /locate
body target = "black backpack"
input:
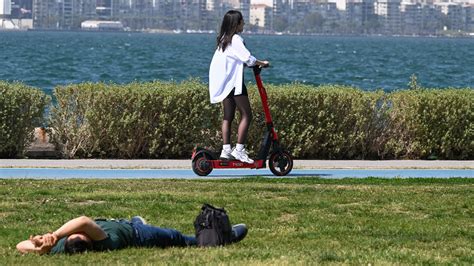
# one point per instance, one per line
(212, 227)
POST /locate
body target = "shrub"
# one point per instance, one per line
(21, 110)
(430, 123)
(137, 120)
(166, 120)
(325, 122)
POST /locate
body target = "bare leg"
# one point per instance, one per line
(243, 104)
(229, 113)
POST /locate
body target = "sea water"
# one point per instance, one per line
(49, 59)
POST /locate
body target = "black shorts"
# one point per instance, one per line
(232, 92)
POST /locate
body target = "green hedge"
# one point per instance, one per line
(166, 120)
(137, 120)
(21, 110)
(430, 123)
(327, 122)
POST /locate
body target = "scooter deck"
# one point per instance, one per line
(236, 164)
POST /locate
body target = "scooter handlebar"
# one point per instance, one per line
(257, 69)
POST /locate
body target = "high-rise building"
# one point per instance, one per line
(260, 15)
(62, 14)
(103, 8)
(5, 8)
(354, 15)
(278, 15)
(430, 19)
(389, 14)
(451, 15)
(411, 17)
(277, 7)
(368, 15)
(268, 3)
(231, 3)
(210, 5)
(45, 14)
(67, 13)
(21, 9)
(468, 18)
(245, 9)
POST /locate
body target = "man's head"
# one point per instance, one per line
(77, 243)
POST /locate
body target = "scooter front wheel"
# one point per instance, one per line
(280, 163)
(201, 165)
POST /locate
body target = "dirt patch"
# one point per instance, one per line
(88, 202)
(287, 217)
(5, 214)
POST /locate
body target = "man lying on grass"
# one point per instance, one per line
(84, 234)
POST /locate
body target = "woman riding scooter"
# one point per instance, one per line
(226, 83)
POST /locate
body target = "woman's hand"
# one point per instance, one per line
(263, 63)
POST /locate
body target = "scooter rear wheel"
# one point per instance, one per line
(281, 163)
(201, 165)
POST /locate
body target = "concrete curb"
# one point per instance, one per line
(186, 164)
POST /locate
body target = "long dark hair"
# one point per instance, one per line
(229, 27)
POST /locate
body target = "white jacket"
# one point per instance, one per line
(227, 69)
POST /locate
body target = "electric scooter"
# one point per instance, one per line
(280, 161)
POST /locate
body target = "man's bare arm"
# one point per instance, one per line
(81, 224)
(43, 244)
(32, 246)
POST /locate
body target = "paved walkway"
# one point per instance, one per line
(61, 173)
(186, 164)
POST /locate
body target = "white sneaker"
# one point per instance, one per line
(226, 155)
(241, 156)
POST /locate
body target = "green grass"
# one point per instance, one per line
(291, 221)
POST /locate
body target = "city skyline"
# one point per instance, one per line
(412, 17)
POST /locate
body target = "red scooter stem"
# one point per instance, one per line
(266, 108)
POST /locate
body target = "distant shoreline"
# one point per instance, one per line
(178, 32)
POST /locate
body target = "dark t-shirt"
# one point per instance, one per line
(119, 235)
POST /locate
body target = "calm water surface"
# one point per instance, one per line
(48, 59)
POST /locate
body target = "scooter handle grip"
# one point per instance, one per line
(257, 69)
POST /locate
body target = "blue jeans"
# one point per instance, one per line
(153, 236)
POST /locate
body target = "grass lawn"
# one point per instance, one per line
(291, 221)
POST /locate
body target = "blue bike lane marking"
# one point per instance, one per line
(62, 173)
